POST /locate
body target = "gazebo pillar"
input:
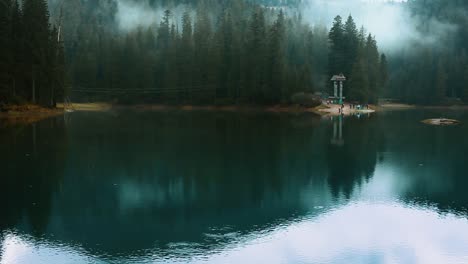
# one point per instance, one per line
(335, 79)
(335, 86)
(341, 92)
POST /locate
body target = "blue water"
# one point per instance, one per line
(202, 187)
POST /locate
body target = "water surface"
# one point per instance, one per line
(178, 187)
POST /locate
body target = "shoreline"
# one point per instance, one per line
(98, 107)
(408, 106)
(27, 114)
(293, 109)
(334, 110)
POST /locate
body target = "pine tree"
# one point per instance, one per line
(164, 31)
(372, 67)
(5, 46)
(186, 53)
(336, 51)
(256, 50)
(203, 70)
(223, 47)
(359, 82)
(383, 75)
(17, 39)
(350, 45)
(275, 74)
(36, 23)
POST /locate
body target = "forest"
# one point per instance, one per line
(32, 64)
(219, 52)
(434, 72)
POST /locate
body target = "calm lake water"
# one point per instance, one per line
(204, 187)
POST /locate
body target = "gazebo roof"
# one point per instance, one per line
(339, 77)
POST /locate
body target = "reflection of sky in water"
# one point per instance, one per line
(360, 232)
(301, 199)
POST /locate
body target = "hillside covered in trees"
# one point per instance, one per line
(207, 51)
(435, 69)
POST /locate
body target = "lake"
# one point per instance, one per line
(206, 187)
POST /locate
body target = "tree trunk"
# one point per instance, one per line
(52, 104)
(14, 87)
(33, 88)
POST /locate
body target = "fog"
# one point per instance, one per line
(390, 21)
(131, 15)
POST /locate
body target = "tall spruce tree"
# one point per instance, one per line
(275, 63)
(383, 75)
(350, 45)
(256, 47)
(336, 58)
(37, 39)
(5, 46)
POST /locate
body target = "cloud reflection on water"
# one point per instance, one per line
(361, 232)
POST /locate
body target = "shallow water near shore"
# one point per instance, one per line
(208, 187)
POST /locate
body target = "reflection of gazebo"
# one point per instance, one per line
(338, 79)
(337, 139)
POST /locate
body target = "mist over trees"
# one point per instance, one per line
(231, 53)
(355, 54)
(435, 70)
(209, 51)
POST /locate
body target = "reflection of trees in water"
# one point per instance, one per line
(353, 158)
(174, 177)
(185, 173)
(170, 177)
(432, 159)
(34, 157)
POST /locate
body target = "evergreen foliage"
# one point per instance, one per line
(224, 52)
(32, 65)
(431, 73)
(358, 58)
(235, 52)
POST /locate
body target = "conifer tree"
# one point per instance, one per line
(383, 75)
(36, 23)
(336, 51)
(256, 55)
(350, 45)
(372, 67)
(5, 46)
(275, 74)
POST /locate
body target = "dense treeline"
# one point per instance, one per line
(229, 52)
(253, 51)
(31, 58)
(434, 70)
(237, 52)
(215, 52)
(356, 55)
